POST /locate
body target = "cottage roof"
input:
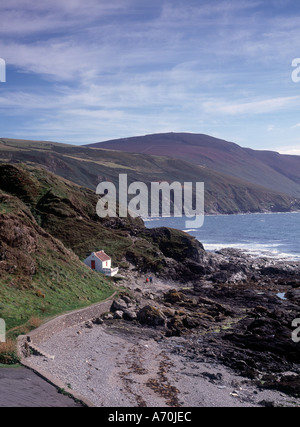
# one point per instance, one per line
(102, 256)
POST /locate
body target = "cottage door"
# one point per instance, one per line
(93, 265)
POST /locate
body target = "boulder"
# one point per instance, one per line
(151, 316)
(126, 299)
(129, 315)
(173, 296)
(118, 305)
(118, 314)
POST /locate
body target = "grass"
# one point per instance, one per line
(59, 285)
(39, 277)
(26, 309)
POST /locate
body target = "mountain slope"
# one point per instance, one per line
(277, 172)
(90, 166)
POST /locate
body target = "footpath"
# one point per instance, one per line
(29, 387)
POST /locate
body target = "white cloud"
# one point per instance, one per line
(293, 150)
(127, 67)
(254, 107)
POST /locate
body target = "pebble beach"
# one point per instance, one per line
(123, 364)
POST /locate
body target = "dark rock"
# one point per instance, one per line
(151, 316)
(118, 314)
(126, 299)
(173, 333)
(118, 305)
(173, 296)
(191, 322)
(293, 295)
(129, 315)
(212, 377)
(98, 321)
(175, 323)
(267, 403)
(288, 384)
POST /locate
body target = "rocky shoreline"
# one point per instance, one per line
(221, 339)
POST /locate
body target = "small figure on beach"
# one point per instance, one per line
(150, 279)
(147, 280)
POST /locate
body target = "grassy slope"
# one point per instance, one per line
(88, 167)
(39, 277)
(41, 216)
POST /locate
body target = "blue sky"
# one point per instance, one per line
(82, 72)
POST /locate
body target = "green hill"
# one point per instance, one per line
(39, 276)
(48, 225)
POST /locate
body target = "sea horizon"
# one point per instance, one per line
(251, 233)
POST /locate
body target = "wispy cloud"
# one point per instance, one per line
(118, 68)
(254, 107)
(29, 17)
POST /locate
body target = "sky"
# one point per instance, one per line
(81, 72)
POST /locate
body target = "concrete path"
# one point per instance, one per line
(21, 387)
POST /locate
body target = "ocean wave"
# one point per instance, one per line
(257, 250)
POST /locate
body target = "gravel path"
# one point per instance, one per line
(120, 365)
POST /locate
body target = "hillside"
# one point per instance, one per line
(39, 276)
(89, 166)
(47, 224)
(274, 171)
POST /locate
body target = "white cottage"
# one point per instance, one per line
(101, 262)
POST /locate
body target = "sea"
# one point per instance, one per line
(271, 235)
